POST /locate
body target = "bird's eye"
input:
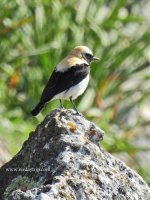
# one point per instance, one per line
(88, 56)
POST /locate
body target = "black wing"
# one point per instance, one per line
(61, 81)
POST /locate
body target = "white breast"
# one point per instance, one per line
(74, 91)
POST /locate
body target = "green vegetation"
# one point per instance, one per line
(36, 35)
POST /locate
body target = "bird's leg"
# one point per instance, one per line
(61, 104)
(71, 100)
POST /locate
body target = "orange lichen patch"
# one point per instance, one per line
(92, 131)
(91, 190)
(123, 179)
(72, 126)
(67, 173)
(85, 139)
(14, 80)
(87, 175)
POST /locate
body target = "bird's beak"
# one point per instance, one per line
(95, 58)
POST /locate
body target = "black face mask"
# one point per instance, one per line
(89, 57)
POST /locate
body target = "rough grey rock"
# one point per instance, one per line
(62, 160)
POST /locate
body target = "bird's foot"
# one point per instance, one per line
(62, 107)
(61, 104)
(77, 113)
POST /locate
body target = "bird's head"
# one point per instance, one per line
(83, 52)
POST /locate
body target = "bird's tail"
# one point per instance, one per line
(37, 109)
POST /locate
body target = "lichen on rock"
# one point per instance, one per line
(63, 160)
(21, 182)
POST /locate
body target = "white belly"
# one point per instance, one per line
(74, 91)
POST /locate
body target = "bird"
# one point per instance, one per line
(69, 79)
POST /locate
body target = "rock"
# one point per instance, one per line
(62, 160)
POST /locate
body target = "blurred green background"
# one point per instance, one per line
(36, 34)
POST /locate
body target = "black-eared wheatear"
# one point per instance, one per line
(69, 79)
